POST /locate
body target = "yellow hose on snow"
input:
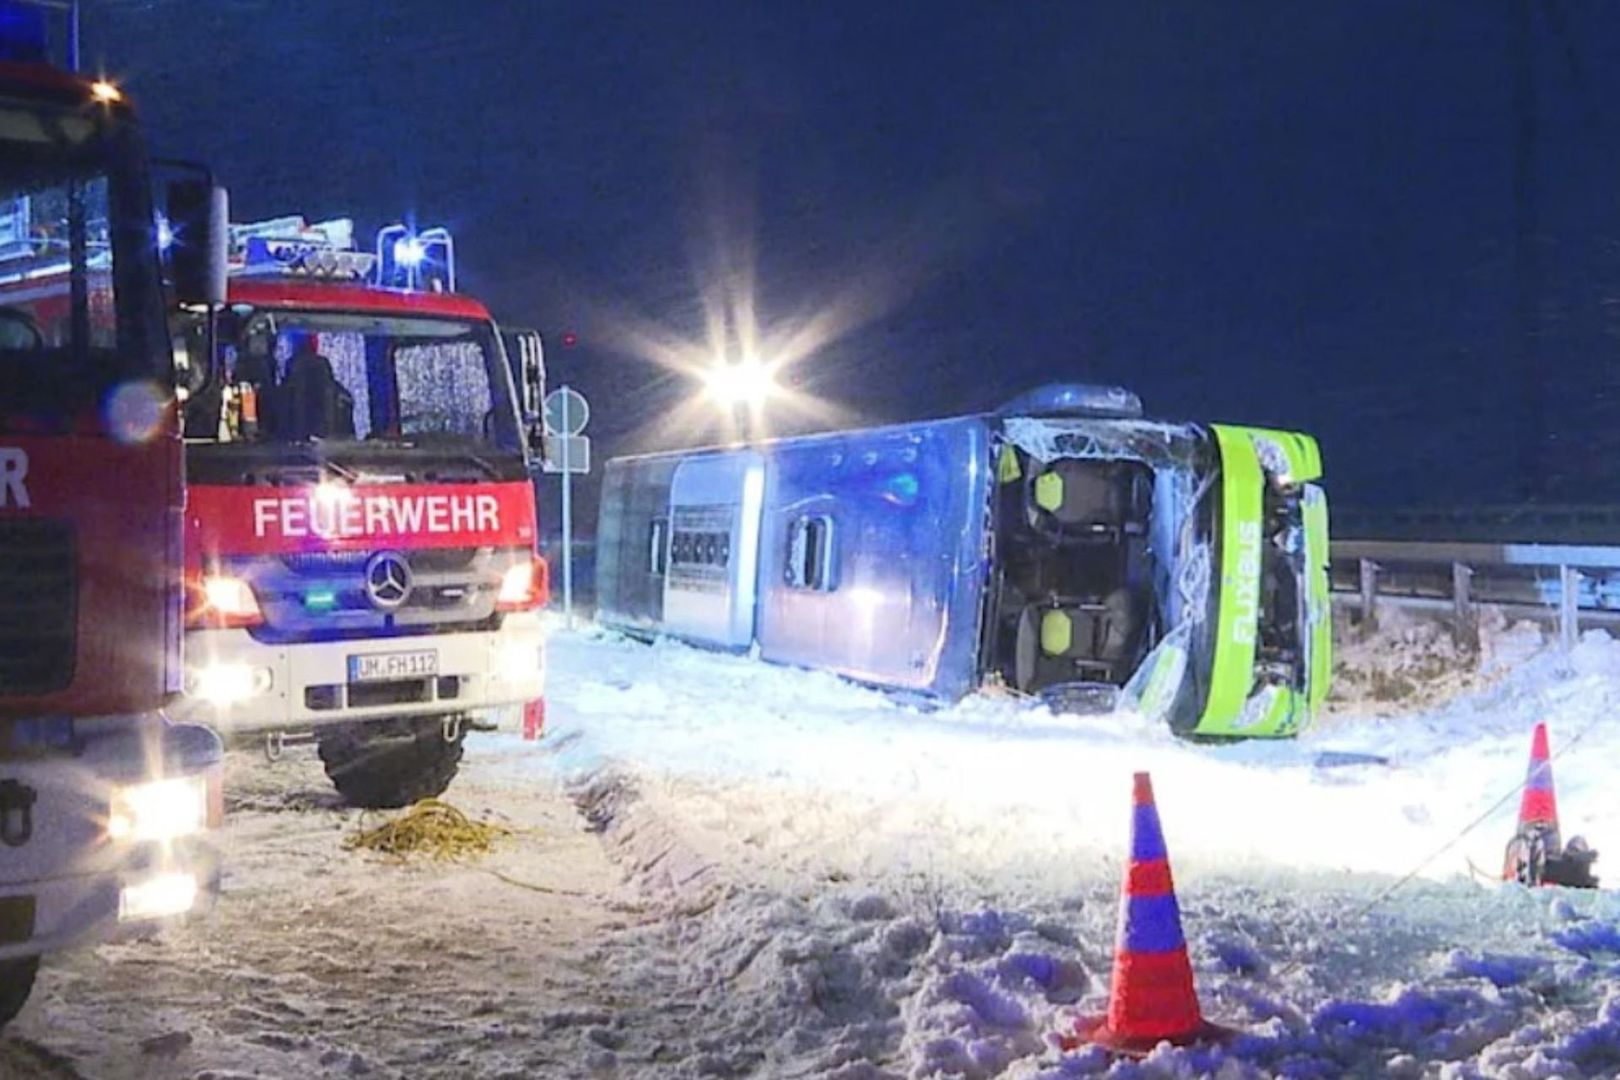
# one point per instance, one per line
(430, 828)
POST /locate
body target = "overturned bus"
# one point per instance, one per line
(1063, 547)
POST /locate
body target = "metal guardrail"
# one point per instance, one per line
(1571, 585)
(1584, 524)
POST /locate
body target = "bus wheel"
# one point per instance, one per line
(386, 764)
(16, 980)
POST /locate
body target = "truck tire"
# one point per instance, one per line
(387, 764)
(16, 980)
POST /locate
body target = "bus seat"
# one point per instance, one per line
(1066, 640)
(1086, 501)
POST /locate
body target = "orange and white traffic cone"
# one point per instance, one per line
(1152, 999)
(1537, 855)
(1536, 839)
(1538, 806)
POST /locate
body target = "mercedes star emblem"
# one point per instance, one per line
(388, 580)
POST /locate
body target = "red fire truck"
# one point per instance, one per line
(104, 804)
(361, 533)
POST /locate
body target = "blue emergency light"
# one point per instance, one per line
(412, 259)
(405, 258)
(23, 38)
(409, 252)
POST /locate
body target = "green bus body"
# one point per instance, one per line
(1239, 702)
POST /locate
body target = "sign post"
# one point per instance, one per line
(568, 451)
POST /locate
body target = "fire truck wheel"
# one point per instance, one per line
(386, 764)
(16, 980)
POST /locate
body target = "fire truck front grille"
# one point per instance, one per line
(323, 595)
(39, 605)
(429, 560)
(324, 562)
(443, 560)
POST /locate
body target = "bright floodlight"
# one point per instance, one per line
(409, 252)
(747, 383)
(165, 234)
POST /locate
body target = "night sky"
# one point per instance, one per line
(1284, 213)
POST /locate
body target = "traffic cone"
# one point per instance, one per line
(1538, 807)
(1152, 999)
(1536, 855)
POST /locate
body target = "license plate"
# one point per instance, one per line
(16, 919)
(383, 667)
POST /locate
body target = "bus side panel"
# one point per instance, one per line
(632, 542)
(900, 515)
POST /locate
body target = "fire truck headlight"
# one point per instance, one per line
(221, 601)
(230, 596)
(161, 896)
(524, 586)
(159, 809)
(228, 684)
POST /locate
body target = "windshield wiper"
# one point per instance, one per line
(351, 475)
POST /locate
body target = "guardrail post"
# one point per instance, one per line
(1369, 593)
(1464, 628)
(1569, 595)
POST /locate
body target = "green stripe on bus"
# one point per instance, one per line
(1238, 606)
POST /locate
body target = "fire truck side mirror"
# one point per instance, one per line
(199, 215)
(528, 358)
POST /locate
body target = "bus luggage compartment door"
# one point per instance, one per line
(714, 520)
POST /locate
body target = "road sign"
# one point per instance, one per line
(568, 453)
(567, 412)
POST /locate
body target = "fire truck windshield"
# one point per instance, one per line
(80, 306)
(294, 376)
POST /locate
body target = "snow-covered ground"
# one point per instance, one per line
(1024, 800)
(747, 871)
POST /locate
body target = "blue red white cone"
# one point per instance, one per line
(1152, 999)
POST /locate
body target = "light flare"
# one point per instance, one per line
(160, 896)
(165, 809)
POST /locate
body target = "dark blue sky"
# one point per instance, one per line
(1297, 214)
